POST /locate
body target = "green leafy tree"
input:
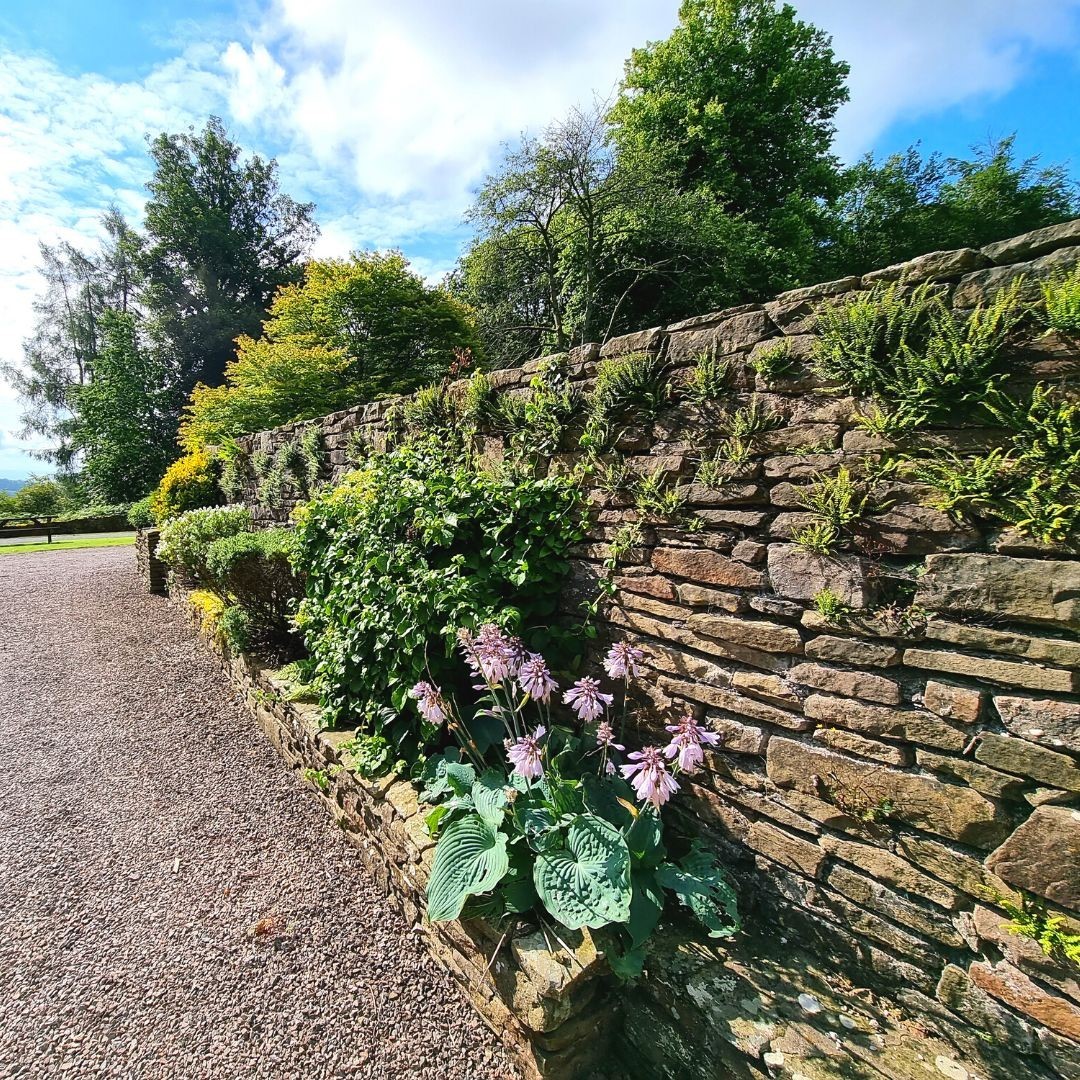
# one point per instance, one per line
(221, 238)
(907, 204)
(124, 419)
(60, 355)
(41, 496)
(739, 101)
(575, 244)
(353, 330)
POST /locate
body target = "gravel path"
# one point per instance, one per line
(146, 826)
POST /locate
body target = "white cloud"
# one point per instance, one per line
(387, 116)
(913, 58)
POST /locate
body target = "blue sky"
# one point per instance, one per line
(388, 116)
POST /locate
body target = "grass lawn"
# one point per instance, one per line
(67, 545)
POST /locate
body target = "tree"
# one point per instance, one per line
(576, 244)
(40, 497)
(355, 329)
(907, 204)
(221, 239)
(60, 355)
(739, 101)
(124, 420)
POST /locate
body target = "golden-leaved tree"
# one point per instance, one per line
(353, 330)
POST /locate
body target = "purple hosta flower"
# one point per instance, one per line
(605, 737)
(650, 777)
(487, 654)
(689, 737)
(429, 702)
(585, 699)
(524, 754)
(622, 661)
(516, 654)
(493, 653)
(535, 678)
(605, 740)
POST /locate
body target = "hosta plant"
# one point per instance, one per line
(566, 826)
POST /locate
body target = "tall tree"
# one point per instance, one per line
(221, 239)
(124, 420)
(907, 204)
(575, 244)
(61, 354)
(738, 101)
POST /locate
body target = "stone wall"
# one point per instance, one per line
(892, 778)
(537, 1003)
(154, 573)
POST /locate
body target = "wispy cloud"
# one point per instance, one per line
(387, 116)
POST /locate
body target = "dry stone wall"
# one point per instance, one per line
(893, 777)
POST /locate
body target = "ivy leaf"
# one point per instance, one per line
(470, 858)
(587, 883)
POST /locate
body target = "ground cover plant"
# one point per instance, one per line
(417, 543)
(562, 821)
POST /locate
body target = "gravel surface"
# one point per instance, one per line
(146, 827)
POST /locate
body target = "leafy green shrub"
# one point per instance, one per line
(857, 340)
(1030, 919)
(234, 626)
(404, 552)
(430, 409)
(754, 418)
(185, 539)
(478, 403)
(818, 536)
(914, 355)
(1061, 302)
(1033, 484)
(140, 514)
(41, 497)
(294, 468)
(549, 409)
(189, 483)
(253, 571)
(774, 362)
(839, 503)
(558, 832)
(829, 606)
(709, 379)
(636, 382)
(656, 497)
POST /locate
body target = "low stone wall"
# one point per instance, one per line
(891, 779)
(154, 573)
(538, 1001)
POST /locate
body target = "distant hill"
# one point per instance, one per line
(11, 486)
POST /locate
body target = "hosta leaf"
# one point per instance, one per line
(586, 883)
(602, 794)
(643, 838)
(489, 797)
(646, 905)
(460, 776)
(702, 887)
(470, 858)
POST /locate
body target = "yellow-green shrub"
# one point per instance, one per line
(189, 483)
